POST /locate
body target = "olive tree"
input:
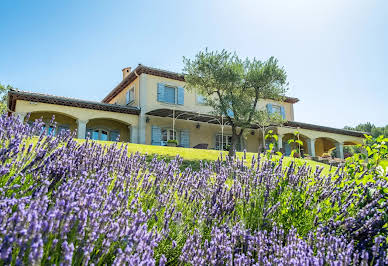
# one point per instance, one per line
(233, 87)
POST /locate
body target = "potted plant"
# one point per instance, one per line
(172, 143)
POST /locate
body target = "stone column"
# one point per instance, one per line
(133, 132)
(141, 130)
(21, 116)
(81, 130)
(280, 142)
(311, 146)
(340, 150)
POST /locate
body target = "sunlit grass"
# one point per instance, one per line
(192, 155)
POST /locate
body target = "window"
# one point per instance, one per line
(130, 96)
(170, 94)
(102, 134)
(225, 143)
(276, 109)
(167, 134)
(51, 130)
(200, 99)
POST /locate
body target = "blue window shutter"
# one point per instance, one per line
(181, 96)
(230, 113)
(185, 138)
(269, 108)
(283, 112)
(161, 92)
(156, 135)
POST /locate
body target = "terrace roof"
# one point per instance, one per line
(212, 119)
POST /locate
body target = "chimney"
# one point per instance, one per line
(126, 72)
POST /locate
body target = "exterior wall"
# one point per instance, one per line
(111, 125)
(59, 118)
(76, 113)
(288, 107)
(323, 145)
(121, 97)
(190, 99)
(312, 134)
(190, 102)
(205, 134)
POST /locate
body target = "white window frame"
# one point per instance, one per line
(175, 93)
(276, 109)
(100, 129)
(169, 135)
(226, 141)
(130, 97)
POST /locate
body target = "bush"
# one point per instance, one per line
(64, 202)
(172, 141)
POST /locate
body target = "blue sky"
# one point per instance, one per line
(335, 52)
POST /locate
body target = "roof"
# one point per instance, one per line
(325, 129)
(185, 115)
(14, 95)
(140, 69)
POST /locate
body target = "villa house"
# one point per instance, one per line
(151, 106)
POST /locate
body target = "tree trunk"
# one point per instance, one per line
(263, 130)
(233, 145)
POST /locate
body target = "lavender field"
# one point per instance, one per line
(69, 203)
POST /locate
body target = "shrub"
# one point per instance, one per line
(64, 202)
(172, 141)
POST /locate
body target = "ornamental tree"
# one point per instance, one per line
(233, 87)
(264, 120)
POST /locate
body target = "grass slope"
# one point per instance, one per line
(192, 157)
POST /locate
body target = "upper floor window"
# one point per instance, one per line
(276, 109)
(130, 96)
(200, 99)
(170, 94)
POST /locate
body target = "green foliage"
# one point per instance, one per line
(233, 87)
(369, 162)
(172, 141)
(4, 97)
(296, 143)
(371, 129)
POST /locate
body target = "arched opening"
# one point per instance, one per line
(323, 146)
(63, 121)
(288, 147)
(351, 148)
(108, 130)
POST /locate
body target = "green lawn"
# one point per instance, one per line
(192, 156)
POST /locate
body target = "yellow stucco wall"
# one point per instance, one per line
(83, 114)
(59, 118)
(121, 97)
(205, 134)
(190, 98)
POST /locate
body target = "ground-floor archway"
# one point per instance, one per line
(107, 129)
(62, 121)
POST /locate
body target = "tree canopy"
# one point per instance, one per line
(370, 128)
(4, 97)
(233, 87)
